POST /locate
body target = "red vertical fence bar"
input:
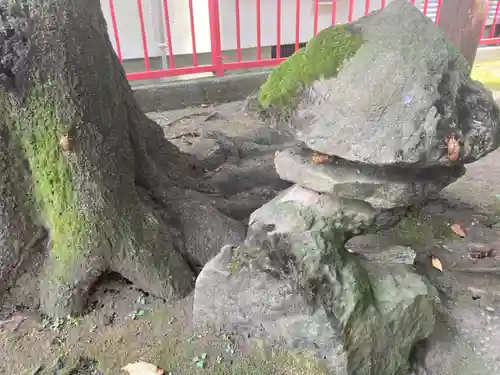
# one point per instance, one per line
(297, 24)
(143, 36)
(426, 6)
(487, 11)
(238, 29)
(438, 12)
(259, 47)
(115, 30)
(166, 15)
(316, 16)
(218, 66)
(334, 12)
(278, 29)
(193, 34)
(351, 10)
(215, 37)
(495, 20)
(491, 37)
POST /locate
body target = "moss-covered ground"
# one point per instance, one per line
(419, 231)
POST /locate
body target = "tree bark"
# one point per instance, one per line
(81, 163)
(462, 21)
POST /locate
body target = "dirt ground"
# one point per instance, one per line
(125, 324)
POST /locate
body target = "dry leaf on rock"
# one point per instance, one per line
(142, 368)
(436, 263)
(457, 229)
(319, 158)
(453, 148)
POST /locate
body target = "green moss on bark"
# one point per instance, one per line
(321, 58)
(39, 128)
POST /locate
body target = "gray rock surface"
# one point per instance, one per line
(232, 179)
(211, 153)
(392, 254)
(296, 209)
(258, 305)
(293, 267)
(382, 187)
(398, 99)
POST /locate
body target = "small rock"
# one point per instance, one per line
(393, 254)
(476, 293)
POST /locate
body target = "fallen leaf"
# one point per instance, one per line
(142, 368)
(453, 148)
(457, 229)
(436, 263)
(319, 158)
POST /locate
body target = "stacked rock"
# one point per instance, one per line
(384, 117)
(388, 189)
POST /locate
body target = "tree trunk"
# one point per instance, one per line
(81, 164)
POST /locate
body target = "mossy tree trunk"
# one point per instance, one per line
(82, 165)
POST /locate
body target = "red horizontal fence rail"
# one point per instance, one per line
(217, 64)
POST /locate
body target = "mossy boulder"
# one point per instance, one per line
(373, 92)
(293, 282)
(321, 58)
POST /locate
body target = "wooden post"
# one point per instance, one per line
(462, 21)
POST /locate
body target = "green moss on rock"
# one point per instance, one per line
(321, 58)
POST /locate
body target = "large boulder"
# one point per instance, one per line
(375, 92)
(293, 281)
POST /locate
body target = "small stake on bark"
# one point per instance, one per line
(66, 143)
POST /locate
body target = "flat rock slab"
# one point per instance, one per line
(382, 187)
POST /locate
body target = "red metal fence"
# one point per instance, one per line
(219, 63)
